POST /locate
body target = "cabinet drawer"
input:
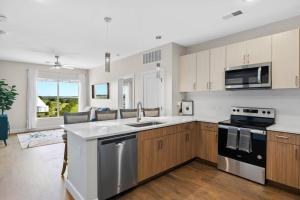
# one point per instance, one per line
(170, 130)
(185, 127)
(208, 127)
(154, 133)
(281, 137)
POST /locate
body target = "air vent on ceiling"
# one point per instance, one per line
(153, 56)
(234, 14)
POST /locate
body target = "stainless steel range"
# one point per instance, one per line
(242, 142)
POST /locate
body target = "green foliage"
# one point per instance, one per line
(65, 104)
(7, 96)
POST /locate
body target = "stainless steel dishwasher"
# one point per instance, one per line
(117, 165)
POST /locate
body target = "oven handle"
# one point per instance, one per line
(255, 131)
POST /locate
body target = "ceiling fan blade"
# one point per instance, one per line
(67, 67)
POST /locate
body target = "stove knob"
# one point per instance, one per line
(263, 112)
(238, 110)
(269, 112)
(233, 110)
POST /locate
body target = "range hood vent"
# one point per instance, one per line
(152, 56)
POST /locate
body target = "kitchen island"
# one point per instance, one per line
(83, 139)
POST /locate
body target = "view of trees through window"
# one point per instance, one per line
(54, 98)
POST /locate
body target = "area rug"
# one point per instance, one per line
(40, 138)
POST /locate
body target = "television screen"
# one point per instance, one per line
(100, 91)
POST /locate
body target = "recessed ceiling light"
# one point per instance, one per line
(248, 0)
(158, 37)
(3, 18)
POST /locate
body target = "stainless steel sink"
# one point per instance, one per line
(142, 124)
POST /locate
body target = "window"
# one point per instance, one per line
(54, 98)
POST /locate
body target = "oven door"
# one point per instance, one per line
(256, 157)
(248, 76)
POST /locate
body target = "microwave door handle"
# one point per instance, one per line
(259, 75)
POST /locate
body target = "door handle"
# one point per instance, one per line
(120, 144)
(259, 75)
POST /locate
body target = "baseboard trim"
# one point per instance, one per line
(283, 187)
(72, 190)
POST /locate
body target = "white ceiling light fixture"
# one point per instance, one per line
(248, 1)
(107, 53)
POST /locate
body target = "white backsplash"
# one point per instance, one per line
(217, 104)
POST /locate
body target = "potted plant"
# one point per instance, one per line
(7, 97)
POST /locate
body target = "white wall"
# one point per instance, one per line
(15, 74)
(217, 104)
(134, 65)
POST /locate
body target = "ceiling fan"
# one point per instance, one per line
(57, 64)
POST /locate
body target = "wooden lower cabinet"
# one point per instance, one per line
(164, 148)
(207, 144)
(283, 159)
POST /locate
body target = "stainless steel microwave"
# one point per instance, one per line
(249, 76)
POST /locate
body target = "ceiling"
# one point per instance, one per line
(75, 29)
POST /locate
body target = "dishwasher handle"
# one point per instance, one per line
(119, 140)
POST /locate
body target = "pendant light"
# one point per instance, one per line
(107, 54)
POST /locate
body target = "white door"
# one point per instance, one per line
(153, 90)
(202, 71)
(235, 54)
(285, 59)
(217, 69)
(187, 73)
(259, 50)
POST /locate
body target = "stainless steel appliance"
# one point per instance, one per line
(117, 165)
(242, 142)
(249, 76)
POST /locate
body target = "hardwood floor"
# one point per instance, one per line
(34, 174)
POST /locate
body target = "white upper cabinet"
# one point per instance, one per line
(235, 54)
(202, 71)
(285, 59)
(259, 50)
(187, 73)
(217, 69)
(249, 52)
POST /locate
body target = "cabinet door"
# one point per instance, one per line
(151, 157)
(202, 71)
(207, 144)
(235, 54)
(259, 50)
(217, 69)
(186, 146)
(187, 73)
(283, 163)
(285, 59)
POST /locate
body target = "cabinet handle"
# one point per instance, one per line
(296, 153)
(282, 137)
(210, 85)
(244, 58)
(207, 85)
(158, 145)
(297, 81)
(248, 58)
(162, 144)
(194, 86)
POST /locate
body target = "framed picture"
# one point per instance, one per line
(100, 91)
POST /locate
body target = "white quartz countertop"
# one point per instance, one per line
(286, 127)
(102, 129)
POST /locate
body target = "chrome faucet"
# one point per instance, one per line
(139, 109)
